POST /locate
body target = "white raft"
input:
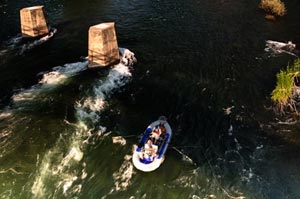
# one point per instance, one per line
(142, 159)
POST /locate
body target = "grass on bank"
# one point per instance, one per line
(273, 7)
(287, 90)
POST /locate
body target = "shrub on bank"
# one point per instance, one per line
(282, 94)
(286, 95)
(275, 7)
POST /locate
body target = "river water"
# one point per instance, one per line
(67, 132)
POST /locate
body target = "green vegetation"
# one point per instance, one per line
(287, 89)
(273, 7)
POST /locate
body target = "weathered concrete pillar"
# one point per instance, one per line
(103, 45)
(33, 22)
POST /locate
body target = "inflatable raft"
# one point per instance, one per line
(149, 154)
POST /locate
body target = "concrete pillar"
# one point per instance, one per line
(33, 22)
(103, 45)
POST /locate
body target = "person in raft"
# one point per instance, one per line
(150, 151)
(163, 130)
(155, 134)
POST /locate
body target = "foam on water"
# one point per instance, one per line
(4, 133)
(88, 108)
(276, 48)
(9, 140)
(38, 186)
(11, 43)
(123, 176)
(188, 180)
(67, 180)
(61, 73)
(119, 140)
(4, 115)
(228, 110)
(57, 76)
(2, 52)
(31, 45)
(17, 44)
(58, 168)
(9, 47)
(196, 197)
